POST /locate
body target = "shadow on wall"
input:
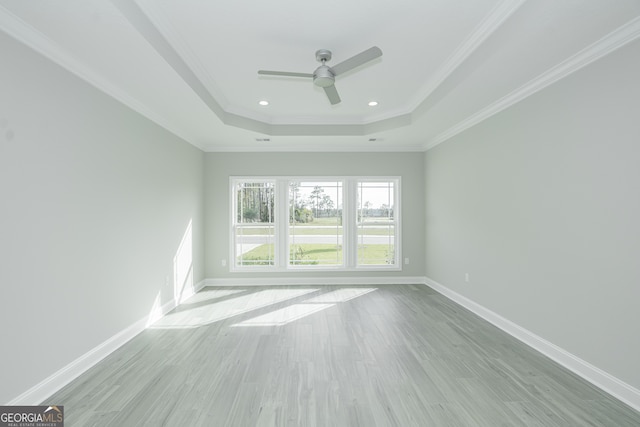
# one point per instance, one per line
(183, 267)
(183, 287)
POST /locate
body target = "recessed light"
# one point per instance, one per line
(373, 103)
(263, 103)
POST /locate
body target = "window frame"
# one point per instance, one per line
(234, 224)
(293, 267)
(397, 208)
(281, 262)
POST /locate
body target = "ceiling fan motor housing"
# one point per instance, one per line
(323, 55)
(323, 76)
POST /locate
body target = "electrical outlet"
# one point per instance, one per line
(466, 277)
(223, 262)
(406, 261)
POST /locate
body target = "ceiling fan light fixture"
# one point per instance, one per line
(324, 76)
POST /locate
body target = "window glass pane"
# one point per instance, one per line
(376, 223)
(254, 223)
(315, 223)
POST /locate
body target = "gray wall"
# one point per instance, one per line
(95, 201)
(220, 166)
(541, 206)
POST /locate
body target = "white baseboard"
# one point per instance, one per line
(601, 379)
(312, 281)
(610, 384)
(41, 391)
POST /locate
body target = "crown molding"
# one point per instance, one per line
(316, 148)
(494, 20)
(607, 44)
(172, 37)
(34, 39)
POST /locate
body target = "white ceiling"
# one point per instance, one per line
(191, 65)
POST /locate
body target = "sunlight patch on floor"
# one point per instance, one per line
(187, 317)
(309, 306)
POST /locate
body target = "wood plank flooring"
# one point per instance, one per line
(331, 356)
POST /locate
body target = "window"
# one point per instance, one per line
(376, 223)
(315, 223)
(254, 224)
(311, 223)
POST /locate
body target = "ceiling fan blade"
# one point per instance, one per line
(283, 73)
(357, 60)
(332, 94)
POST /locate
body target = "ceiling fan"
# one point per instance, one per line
(324, 76)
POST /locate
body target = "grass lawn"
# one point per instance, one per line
(374, 254)
(321, 254)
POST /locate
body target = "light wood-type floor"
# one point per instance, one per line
(331, 356)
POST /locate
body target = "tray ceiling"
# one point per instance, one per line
(191, 66)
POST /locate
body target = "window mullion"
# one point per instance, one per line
(282, 223)
(349, 244)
